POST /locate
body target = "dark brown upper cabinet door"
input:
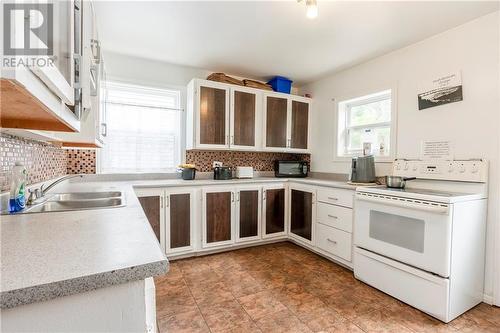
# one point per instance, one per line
(180, 220)
(275, 211)
(244, 119)
(218, 217)
(249, 213)
(212, 116)
(276, 119)
(151, 207)
(300, 119)
(301, 214)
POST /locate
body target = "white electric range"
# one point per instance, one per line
(425, 244)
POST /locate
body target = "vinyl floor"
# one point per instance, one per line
(284, 288)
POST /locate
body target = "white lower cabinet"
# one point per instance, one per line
(180, 214)
(189, 220)
(336, 196)
(334, 224)
(335, 216)
(248, 214)
(302, 217)
(231, 215)
(274, 210)
(171, 213)
(334, 241)
(152, 202)
(218, 211)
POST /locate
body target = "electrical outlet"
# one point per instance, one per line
(216, 164)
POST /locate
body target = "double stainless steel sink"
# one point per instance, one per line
(59, 202)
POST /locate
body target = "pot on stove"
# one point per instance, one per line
(396, 181)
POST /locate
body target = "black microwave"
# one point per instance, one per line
(288, 169)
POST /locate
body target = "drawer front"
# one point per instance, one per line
(420, 289)
(335, 216)
(336, 196)
(334, 241)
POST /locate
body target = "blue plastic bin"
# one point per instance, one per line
(281, 84)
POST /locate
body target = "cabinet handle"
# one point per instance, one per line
(264, 195)
(95, 45)
(237, 196)
(161, 201)
(104, 129)
(332, 216)
(167, 201)
(227, 139)
(332, 198)
(331, 240)
(232, 196)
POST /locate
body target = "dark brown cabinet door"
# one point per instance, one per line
(212, 116)
(276, 122)
(300, 119)
(244, 119)
(180, 220)
(301, 214)
(249, 213)
(218, 216)
(151, 207)
(275, 211)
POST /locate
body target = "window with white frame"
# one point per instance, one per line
(143, 129)
(365, 119)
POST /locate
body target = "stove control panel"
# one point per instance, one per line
(456, 170)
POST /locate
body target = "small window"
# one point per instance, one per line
(143, 130)
(365, 119)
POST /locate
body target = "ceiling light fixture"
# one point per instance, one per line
(311, 8)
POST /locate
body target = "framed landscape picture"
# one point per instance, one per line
(442, 90)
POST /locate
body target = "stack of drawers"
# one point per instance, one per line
(334, 222)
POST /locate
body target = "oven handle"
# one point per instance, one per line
(439, 209)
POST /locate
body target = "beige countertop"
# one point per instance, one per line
(47, 255)
(255, 180)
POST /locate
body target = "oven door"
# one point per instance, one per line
(417, 233)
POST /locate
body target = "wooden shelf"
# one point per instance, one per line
(20, 109)
(80, 145)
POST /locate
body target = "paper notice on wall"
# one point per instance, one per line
(436, 150)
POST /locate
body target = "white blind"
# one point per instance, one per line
(144, 129)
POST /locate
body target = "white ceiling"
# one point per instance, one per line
(267, 38)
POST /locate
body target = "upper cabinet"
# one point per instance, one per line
(299, 127)
(231, 117)
(286, 123)
(245, 112)
(39, 93)
(67, 98)
(276, 116)
(92, 82)
(212, 120)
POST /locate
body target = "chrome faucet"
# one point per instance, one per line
(40, 192)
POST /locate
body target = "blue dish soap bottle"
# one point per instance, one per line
(17, 201)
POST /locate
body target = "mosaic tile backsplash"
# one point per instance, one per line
(81, 161)
(43, 161)
(260, 161)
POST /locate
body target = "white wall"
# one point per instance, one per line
(149, 72)
(473, 124)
